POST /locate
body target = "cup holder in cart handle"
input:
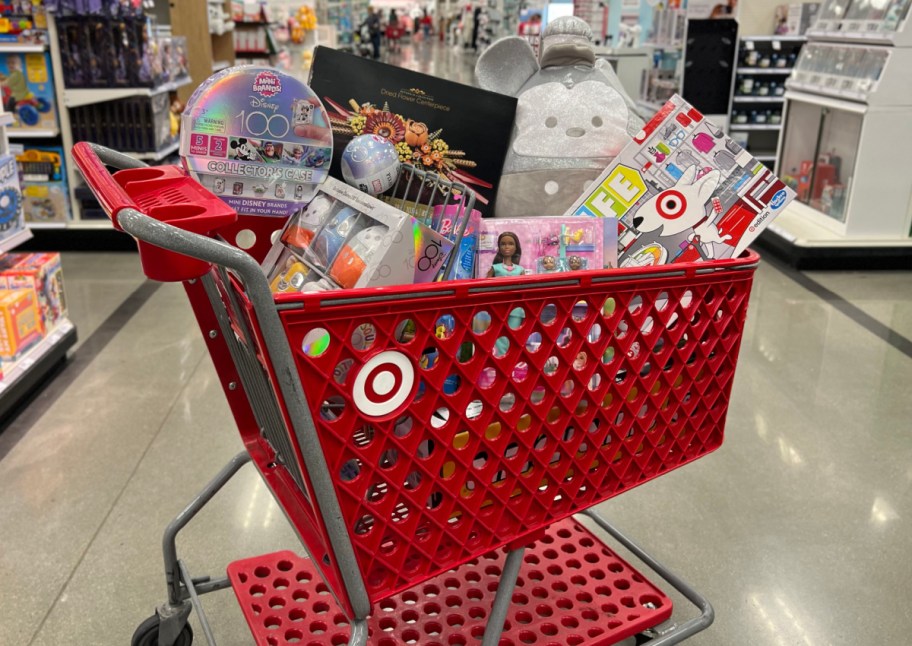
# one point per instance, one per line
(163, 193)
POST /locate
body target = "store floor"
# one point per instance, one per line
(797, 529)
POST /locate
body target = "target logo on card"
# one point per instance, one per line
(383, 384)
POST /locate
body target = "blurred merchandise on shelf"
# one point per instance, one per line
(20, 322)
(28, 90)
(122, 51)
(44, 185)
(764, 65)
(669, 27)
(23, 22)
(41, 273)
(249, 10)
(137, 124)
(794, 19)
(11, 221)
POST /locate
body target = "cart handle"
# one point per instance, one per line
(91, 160)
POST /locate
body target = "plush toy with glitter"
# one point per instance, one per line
(572, 118)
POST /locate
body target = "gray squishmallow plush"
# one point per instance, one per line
(572, 117)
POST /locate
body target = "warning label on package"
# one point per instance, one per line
(207, 124)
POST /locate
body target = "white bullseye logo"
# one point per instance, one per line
(383, 384)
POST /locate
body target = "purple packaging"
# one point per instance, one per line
(258, 138)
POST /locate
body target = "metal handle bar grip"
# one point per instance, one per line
(91, 160)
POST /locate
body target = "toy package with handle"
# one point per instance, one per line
(346, 239)
(684, 191)
(257, 138)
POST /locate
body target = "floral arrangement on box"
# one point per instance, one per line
(414, 141)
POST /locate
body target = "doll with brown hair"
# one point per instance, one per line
(506, 260)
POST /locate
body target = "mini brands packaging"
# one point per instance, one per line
(684, 191)
(257, 138)
(347, 239)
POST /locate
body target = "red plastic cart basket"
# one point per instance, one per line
(406, 431)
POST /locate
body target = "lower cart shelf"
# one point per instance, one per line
(572, 589)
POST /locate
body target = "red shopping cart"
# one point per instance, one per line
(420, 437)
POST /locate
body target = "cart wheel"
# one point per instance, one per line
(147, 634)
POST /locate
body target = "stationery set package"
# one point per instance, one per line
(345, 238)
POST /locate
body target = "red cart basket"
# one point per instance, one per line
(414, 433)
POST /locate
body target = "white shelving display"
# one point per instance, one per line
(19, 378)
(758, 98)
(74, 98)
(848, 107)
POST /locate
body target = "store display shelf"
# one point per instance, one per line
(13, 241)
(33, 133)
(764, 156)
(799, 237)
(763, 70)
(755, 126)
(157, 155)
(252, 52)
(90, 224)
(22, 48)
(664, 45)
(784, 39)
(46, 225)
(75, 98)
(22, 377)
(220, 29)
(757, 99)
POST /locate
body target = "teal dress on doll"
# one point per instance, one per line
(500, 269)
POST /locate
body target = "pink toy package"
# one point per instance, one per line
(544, 245)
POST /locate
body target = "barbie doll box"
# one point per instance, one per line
(544, 245)
(684, 191)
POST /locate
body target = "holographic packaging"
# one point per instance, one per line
(257, 138)
(346, 239)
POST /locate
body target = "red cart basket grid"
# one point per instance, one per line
(414, 432)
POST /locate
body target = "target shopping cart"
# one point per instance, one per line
(439, 448)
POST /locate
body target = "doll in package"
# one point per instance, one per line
(549, 245)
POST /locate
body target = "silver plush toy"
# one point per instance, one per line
(572, 118)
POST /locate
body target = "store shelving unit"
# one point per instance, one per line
(22, 48)
(70, 98)
(764, 64)
(20, 378)
(847, 125)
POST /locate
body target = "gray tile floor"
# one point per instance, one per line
(797, 529)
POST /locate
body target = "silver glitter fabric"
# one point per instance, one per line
(572, 118)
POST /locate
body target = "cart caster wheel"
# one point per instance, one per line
(147, 634)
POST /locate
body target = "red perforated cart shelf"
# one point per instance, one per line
(572, 590)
